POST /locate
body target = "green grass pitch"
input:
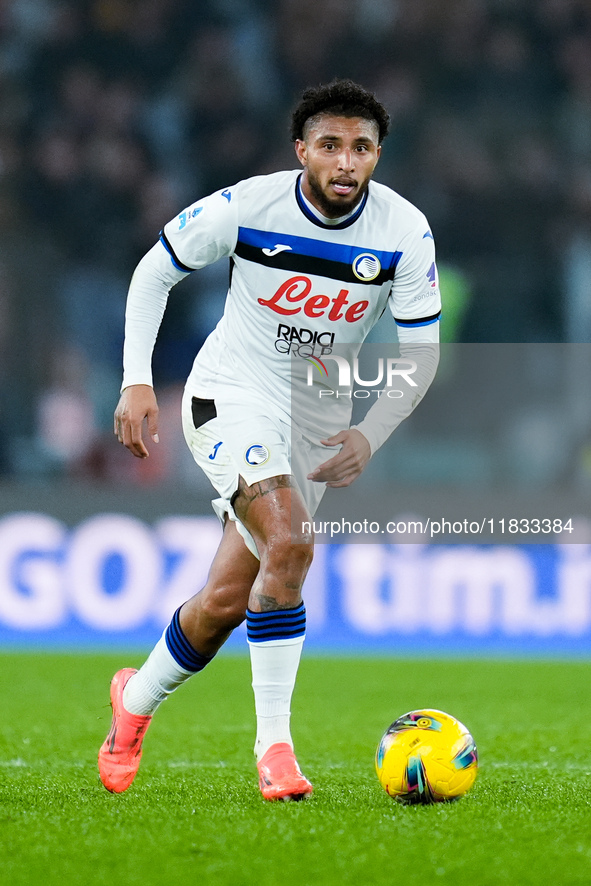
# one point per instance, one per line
(194, 813)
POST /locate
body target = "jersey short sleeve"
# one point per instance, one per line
(415, 300)
(203, 232)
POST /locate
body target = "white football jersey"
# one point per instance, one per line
(300, 286)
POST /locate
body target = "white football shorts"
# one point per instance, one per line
(233, 439)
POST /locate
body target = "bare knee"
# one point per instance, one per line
(220, 608)
(286, 561)
(270, 509)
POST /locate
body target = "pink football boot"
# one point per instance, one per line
(280, 777)
(121, 752)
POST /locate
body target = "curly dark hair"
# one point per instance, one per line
(343, 98)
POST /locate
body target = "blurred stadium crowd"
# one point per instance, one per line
(114, 114)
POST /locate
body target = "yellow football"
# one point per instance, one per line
(426, 757)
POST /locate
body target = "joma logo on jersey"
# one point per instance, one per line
(296, 291)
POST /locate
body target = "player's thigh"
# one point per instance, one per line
(235, 443)
(274, 512)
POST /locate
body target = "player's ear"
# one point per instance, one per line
(300, 149)
(379, 151)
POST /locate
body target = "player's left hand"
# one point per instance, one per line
(343, 468)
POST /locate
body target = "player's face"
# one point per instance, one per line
(339, 155)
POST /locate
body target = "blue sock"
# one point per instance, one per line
(180, 648)
(172, 662)
(279, 624)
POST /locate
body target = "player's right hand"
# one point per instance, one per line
(137, 402)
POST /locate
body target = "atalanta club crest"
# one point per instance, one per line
(257, 455)
(366, 267)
